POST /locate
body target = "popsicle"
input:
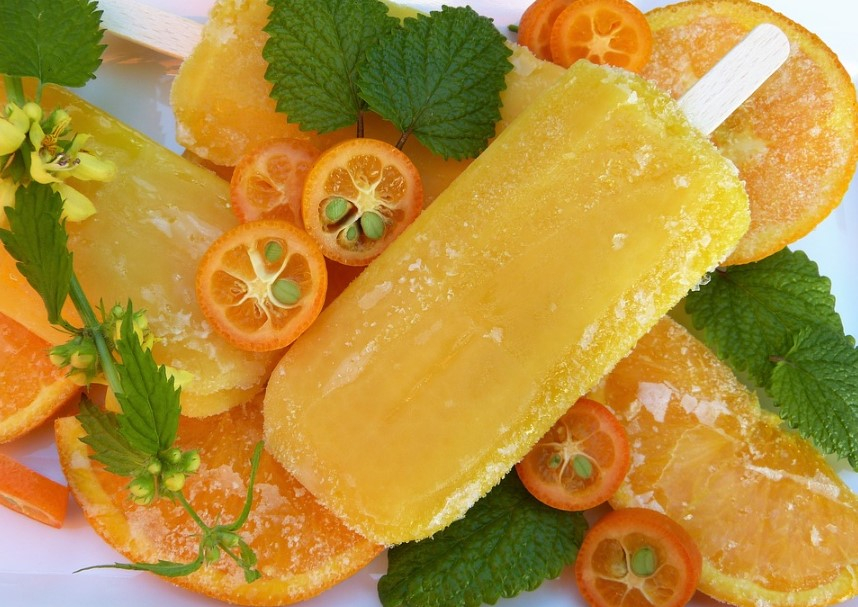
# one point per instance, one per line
(582, 224)
(154, 222)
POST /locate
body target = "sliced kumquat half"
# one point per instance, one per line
(580, 462)
(534, 28)
(639, 557)
(358, 197)
(612, 32)
(261, 284)
(33, 495)
(268, 181)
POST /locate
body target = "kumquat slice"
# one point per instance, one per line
(261, 284)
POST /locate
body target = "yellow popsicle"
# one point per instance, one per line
(154, 222)
(586, 220)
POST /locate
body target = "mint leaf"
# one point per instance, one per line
(37, 240)
(108, 444)
(751, 313)
(816, 388)
(507, 543)
(440, 78)
(314, 51)
(149, 400)
(54, 41)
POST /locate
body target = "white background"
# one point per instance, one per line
(36, 562)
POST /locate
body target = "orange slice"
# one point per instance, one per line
(358, 197)
(612, 32)
(795, 140)
(580, 462)
(775, 524)
(301, 548)
(269, 179)
(261, 284)
(31, 387)
(639, 557)
(33, 495)
(534, 28)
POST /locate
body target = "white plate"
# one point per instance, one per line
(36, 562)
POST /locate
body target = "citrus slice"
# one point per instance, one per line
(358, 197)
(795, 141)
(261, 284)
(269, 179)
(31, 387)
(637, 557)
(534, 28)
(33, 495)
(301, 548)
(580, 462)
(612, 32)
(775, 524)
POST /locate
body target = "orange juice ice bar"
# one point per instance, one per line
(582, 224)
(154, 221)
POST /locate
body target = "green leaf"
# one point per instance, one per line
(56, 41)
(163, 568)
(149, 399)
(816, 388)
(440, 78)
(507, 543)
(314, 51)
(37, 240)
(109, 445)
(751, 313)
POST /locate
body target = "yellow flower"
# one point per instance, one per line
(90, 168)
(76, 206)
(11, 137)
(7, 199)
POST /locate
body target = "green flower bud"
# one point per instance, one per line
(174, 481)
(172, 456)
(211, 554)
(154, 467)
(33, 111)
(142, 490)
(229, 539)
(190, 461)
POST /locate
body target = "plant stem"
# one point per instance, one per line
(191, 512)
(14, 90)
(91, 324)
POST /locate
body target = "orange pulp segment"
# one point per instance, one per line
(774, 523)
(301, 548)
(795, 141)
(33, 495)
(31, 387)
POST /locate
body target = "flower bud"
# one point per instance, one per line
(34, 112)
(142, 490)
(190, 461)
(174, 481)
(172, 456)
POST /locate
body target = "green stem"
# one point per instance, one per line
(91, 324)
(14, 90)
(191, 512)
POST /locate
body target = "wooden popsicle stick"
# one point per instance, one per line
(735, 77)
(147, 26)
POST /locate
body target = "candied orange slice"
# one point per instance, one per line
(775, 524)
(33, 495)
(31, 387)
(534, 28)
(302, 549)
(795, 141)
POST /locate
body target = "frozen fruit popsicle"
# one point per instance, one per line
(154, 222)
(585, 221)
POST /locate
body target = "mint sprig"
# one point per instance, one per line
(775, 321)
(439, 77)
(149, 399)
(507, 543)
(38, 241)
(54, 41)
(314, 52)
